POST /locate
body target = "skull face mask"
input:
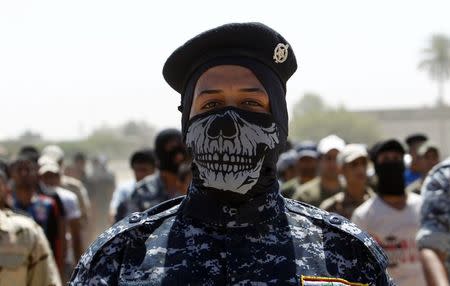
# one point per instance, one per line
(230, 146)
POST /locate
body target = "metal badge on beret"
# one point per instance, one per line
(281, 52)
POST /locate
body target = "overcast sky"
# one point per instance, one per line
(67, 67)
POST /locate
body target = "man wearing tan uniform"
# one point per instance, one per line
(352, 162)
(25, 255)
(328, 183)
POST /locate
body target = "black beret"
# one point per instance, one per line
(415, 138)
(252, 40)
(387, 145)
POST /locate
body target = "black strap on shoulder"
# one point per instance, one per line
(163, 206)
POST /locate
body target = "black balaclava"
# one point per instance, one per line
(235, 151)
(165, 157)
(391, 179)
(390, 174)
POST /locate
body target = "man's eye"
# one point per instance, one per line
(251, 103)
(210, 105)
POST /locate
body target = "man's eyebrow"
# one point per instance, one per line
(251, 89)
(209, 91)
(217, 91)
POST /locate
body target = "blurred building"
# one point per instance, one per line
(398, 123)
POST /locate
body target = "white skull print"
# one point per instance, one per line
(229, 151)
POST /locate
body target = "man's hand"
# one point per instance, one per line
(433, 266)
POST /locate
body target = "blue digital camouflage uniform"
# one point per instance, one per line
(147, 193)
(434, 232)
(194, 240)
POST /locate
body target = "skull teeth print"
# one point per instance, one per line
(226, 162)
(229, 151)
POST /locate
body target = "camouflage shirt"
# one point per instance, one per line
(25, 254)
(434, 232)
(342, 203)
(147, 193)
(314, 193)
(196, 240)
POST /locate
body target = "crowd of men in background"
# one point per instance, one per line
(64, 208)
(377, 187)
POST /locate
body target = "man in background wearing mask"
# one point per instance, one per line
(154, 189)
(392, 216)
(233, 227)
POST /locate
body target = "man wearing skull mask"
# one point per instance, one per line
(233, 227)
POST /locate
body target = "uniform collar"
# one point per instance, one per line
(203, 206)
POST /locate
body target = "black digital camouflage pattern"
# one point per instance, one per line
(434, 231)
(193, 240)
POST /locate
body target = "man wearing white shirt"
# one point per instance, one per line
(392, 216)
(50, 175)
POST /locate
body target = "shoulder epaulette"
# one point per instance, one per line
(339, 222)
(154, 214)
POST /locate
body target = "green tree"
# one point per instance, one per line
(314, 122)
(30, 137)
(139, 132)
(437, 62)
(117, 142)
(310, 102)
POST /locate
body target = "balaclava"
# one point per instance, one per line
(391, 178)
(165, 157)
(235, 151)
(391, 173)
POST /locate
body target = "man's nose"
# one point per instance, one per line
(222, 126)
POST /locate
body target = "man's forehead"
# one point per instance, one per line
(172, 142)
(220, 69)
(23, 163)
(331, 153)
(357, 160)
(390, 153)
(227, 73)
